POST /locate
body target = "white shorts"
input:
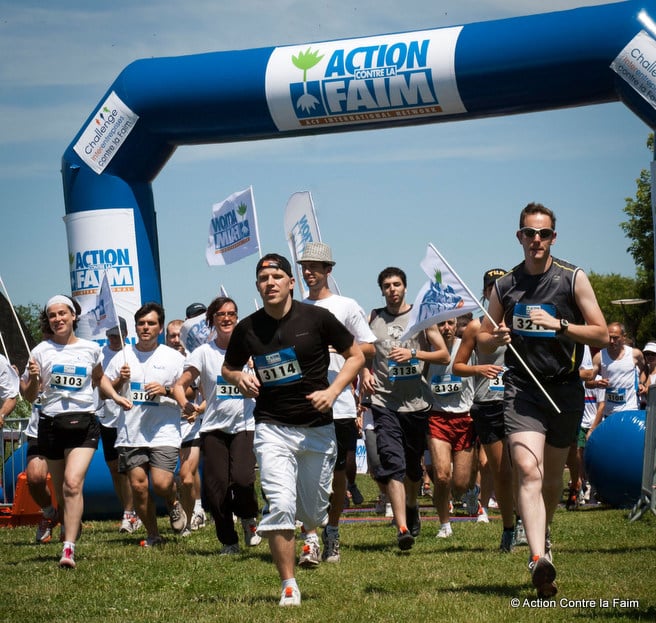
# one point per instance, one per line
(296, 471)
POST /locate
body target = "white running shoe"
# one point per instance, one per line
(251, 537)
(309, 558)
(291, 596)
(482, 516)
(445, 532)
(178, 518)
(198, 520)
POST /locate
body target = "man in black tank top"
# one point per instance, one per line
(546, 310)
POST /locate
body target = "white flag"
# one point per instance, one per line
(194, 332)
(301, 227)
(93, 324)
(444, 296)
(233, 232)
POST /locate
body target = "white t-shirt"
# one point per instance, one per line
(451, 393)
(352, 316)
(108, 411)
(66, 371)
(226, 409)
(151, 422)
(9, 382)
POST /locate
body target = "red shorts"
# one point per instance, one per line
(456, 429)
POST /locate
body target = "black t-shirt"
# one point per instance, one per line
(291, 360)
(552, 357)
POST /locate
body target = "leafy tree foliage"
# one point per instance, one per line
(639, 229)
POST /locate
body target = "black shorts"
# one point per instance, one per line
(488, 421)
(33, 447)
(346, 433)
(65, 431)
(525, 408)
(192, 443)
(108, 435)
(401, 442)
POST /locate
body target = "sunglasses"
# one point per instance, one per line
(530, 232)
(225, 314)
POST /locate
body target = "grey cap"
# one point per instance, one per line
(114, 330)
(317, 252)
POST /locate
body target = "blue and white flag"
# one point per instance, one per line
(301, 227)
(444, 296)
(93, 324)
(233, 232)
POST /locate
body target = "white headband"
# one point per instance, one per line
(60, 299)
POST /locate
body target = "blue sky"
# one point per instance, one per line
(380, 195)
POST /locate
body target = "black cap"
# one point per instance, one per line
(114, 330)
(273, 260)
(195, 309)
(491, 276)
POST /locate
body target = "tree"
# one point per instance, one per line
(639, 229)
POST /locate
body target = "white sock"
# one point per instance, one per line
(198, 505)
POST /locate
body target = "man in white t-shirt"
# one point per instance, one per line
(317, 264)
(148, 437)
(620, 367)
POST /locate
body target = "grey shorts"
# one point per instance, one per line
(526, 409)
(164, 457)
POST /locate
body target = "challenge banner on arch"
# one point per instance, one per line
(444, 296)
(233, 232)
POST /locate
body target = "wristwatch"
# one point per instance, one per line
(167, 390)
(564, 325)
(413, 352)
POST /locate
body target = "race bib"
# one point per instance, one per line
(616, 395)
(523, 325)
(226, 391)
(139, 396)
(278, 368)
(444, 384)
(403, 371)
(496, 384)
(68, 377)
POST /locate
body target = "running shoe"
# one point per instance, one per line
(330, 540)
(482, 515)
(229, 550)
(520, 533)
(356, 495)
(152, 541)
(507, 541)
(251, 537)
(543, 576)
(46, 526)
(413, 519)
(445, 532)
(572, 502)
(470, 501)
(309, 558)
(381, 503)
(291, 596)
(547, 545)
(405, 539)
(178, 518)
(67, 560)
(198, 520)
(130, 523)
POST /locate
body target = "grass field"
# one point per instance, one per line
(600, 557)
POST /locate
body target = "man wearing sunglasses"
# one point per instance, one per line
(546, 310)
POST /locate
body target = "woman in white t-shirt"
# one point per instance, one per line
(63, 372)
(226, 432)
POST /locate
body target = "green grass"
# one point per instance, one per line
(598, 554)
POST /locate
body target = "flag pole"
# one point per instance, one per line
(13, 311)
(496, 326)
